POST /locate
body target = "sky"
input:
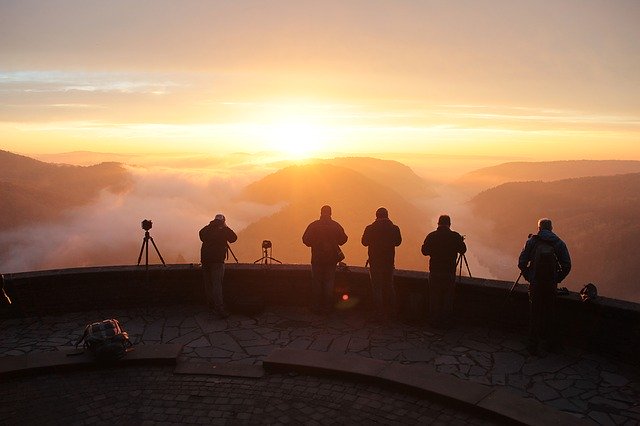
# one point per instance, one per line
(537, 79)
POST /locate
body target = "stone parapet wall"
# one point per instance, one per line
(607, 325)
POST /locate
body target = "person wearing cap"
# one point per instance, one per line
(381, 238)
(215, 237)
(443, 247)
(324, 236)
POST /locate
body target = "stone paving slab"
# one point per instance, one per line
(212, 369)
(71, 358)
(577, 381)
(500, 402)
(526, 410)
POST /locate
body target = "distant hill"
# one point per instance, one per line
(354, 197)
(596, 216)
(392, 174)
(31, 190)
(546, 171)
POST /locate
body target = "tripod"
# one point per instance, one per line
(461, 258)
(232, 254)
(145, 249)
(266, 258)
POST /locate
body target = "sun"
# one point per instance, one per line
(295, 139)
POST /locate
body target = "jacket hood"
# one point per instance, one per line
(547, 235)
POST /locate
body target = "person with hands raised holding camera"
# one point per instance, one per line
(215, 238)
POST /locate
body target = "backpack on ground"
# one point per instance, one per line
(545, 261)
(105, 340)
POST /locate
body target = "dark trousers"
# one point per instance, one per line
(542, 312)
(441, 292)
(213, 275)
(322, 280)
(382, 290)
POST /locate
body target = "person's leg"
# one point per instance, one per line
(535, 316)
(329, 277)
(436, 296)
(548, 322)
(377, 277)
(207, 285)
(448, 294)
(316, 287)
(388, 292)
(218, 296)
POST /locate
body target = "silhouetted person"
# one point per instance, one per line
(443, 247)
(544, 262)
(213, 253)
(324, 236)
(382, 237)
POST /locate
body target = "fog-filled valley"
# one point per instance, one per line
(88, 213)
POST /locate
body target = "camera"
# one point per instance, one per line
(266, 244)
(147, 224)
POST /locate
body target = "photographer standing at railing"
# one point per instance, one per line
(324, 236)
(544, 262)
(215, 237)
(443, 247)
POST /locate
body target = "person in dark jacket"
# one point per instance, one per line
(443, 247)
(382, 237)
(543, 277)
(324, 236)
(215, 237)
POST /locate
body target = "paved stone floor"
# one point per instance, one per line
(151, 395)
(583, 384)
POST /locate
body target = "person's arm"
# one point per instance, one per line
(398, 239)
(564, 260)
(426, 246)
(307, 237)
(231, 236)
(203, 233)
(524, 258)
(366, 239)
(342, 236)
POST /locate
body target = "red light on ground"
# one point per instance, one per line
(345, 297)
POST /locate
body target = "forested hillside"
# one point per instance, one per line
(354, 197)
(596, 216)
(32, 190)
(545, 171)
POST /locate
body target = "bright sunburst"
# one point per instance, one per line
(295, 139)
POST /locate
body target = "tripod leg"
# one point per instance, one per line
(467, 264)
(157, 251)
(144, 240)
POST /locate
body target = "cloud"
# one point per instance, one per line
(108, 232)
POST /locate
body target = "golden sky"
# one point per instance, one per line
(535, 79)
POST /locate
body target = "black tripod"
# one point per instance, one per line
(145, 249)
(232, 254)
(267, 249)
(461, 258)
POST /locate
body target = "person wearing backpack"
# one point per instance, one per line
(215, 238)
(544, 262)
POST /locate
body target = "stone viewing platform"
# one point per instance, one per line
(280, 363)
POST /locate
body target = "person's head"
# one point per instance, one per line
(382, 213)
(545, 223)
(219, 219)
(444, 220)
(325, 211)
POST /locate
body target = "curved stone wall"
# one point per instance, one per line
(607, 326)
